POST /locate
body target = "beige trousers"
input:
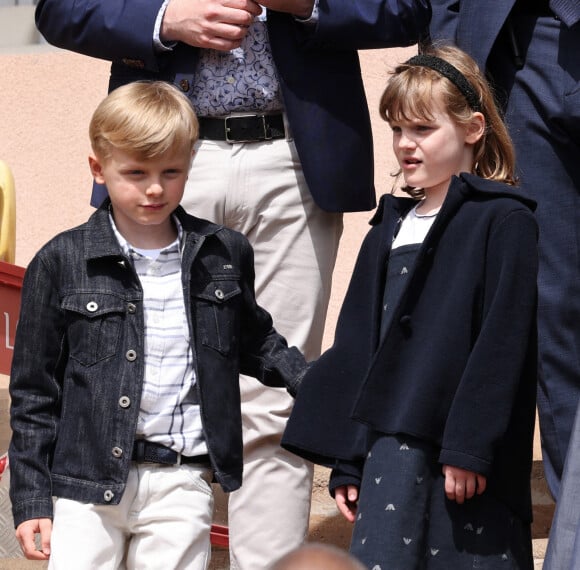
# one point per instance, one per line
(259, 190)
(162, 522)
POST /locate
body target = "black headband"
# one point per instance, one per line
(450, 72)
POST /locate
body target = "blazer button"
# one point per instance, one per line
(124, 401)
(108, 495)
(184, 84)
(131, 355)
(131, 308)
(92, 306)
(117, 452)
(405, 321)
(219, 294)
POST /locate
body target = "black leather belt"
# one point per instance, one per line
(149, 452)
(245, 128)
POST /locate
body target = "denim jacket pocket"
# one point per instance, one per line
(94, 325)
(216, 313)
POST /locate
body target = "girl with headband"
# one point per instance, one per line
(424, 407)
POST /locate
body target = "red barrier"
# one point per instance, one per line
(10, 285)
(11, 277)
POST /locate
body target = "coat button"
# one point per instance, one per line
(117, 452)
(219, 294)
(108, 495)
(131, 308)
(124, 401)
(131, 355)
(405, 321)
(92, 306)
(184, 84)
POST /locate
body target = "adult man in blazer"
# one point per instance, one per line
(286, 148)
(530, 50)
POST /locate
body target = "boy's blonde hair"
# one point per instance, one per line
(409, 95)
(145, 119)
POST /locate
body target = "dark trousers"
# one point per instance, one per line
(543, 117)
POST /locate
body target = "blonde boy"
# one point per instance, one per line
(133, 331)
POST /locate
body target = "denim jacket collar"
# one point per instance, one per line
(101, 241)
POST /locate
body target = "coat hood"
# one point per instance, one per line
(468, 185)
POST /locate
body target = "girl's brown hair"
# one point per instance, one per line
(409, 95)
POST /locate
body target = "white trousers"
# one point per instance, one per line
(259, 190)
(162, 523)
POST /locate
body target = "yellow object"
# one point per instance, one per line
(7, 214)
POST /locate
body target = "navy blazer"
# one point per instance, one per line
(318, 69)
(460, 29)
(474, 25)
(457, 366)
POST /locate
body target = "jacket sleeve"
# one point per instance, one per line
(110, 30)
(35, 395)
(367, 24)
(264, 353)
(320, 427)
(444, 20)
(501, 366)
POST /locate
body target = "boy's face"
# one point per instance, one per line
(143, 192)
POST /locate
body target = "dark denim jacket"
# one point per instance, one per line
(78, 363)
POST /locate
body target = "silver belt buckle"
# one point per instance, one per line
(265, 135)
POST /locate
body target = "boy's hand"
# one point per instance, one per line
(346, 497)
(461, 484)
(25, 533)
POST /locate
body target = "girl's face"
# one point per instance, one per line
(431, 151)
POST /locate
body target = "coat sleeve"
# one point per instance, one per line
(35, 391)
(264, 353)
(110, 30)
(321, 428)
(367, 24)
(501, 366)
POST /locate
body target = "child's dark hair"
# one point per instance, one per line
(409, 95)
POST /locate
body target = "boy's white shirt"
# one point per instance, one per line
(169, 413)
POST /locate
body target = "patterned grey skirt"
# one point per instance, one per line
(405, 522)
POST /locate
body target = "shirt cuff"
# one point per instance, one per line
(159, 45)
(313, 18)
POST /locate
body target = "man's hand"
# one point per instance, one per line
(215, 24)
(461, 484)
(299, 8)
(25, 533)
(346, 498)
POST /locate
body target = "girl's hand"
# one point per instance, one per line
(346, 498)
(461, 484)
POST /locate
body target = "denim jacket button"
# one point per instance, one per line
(124, 401)
(92, 306)
(108, 495)
(131, 308)
(219, 294)
(117, 452)
(131, 355)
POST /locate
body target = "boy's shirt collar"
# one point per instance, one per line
(129, 250)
